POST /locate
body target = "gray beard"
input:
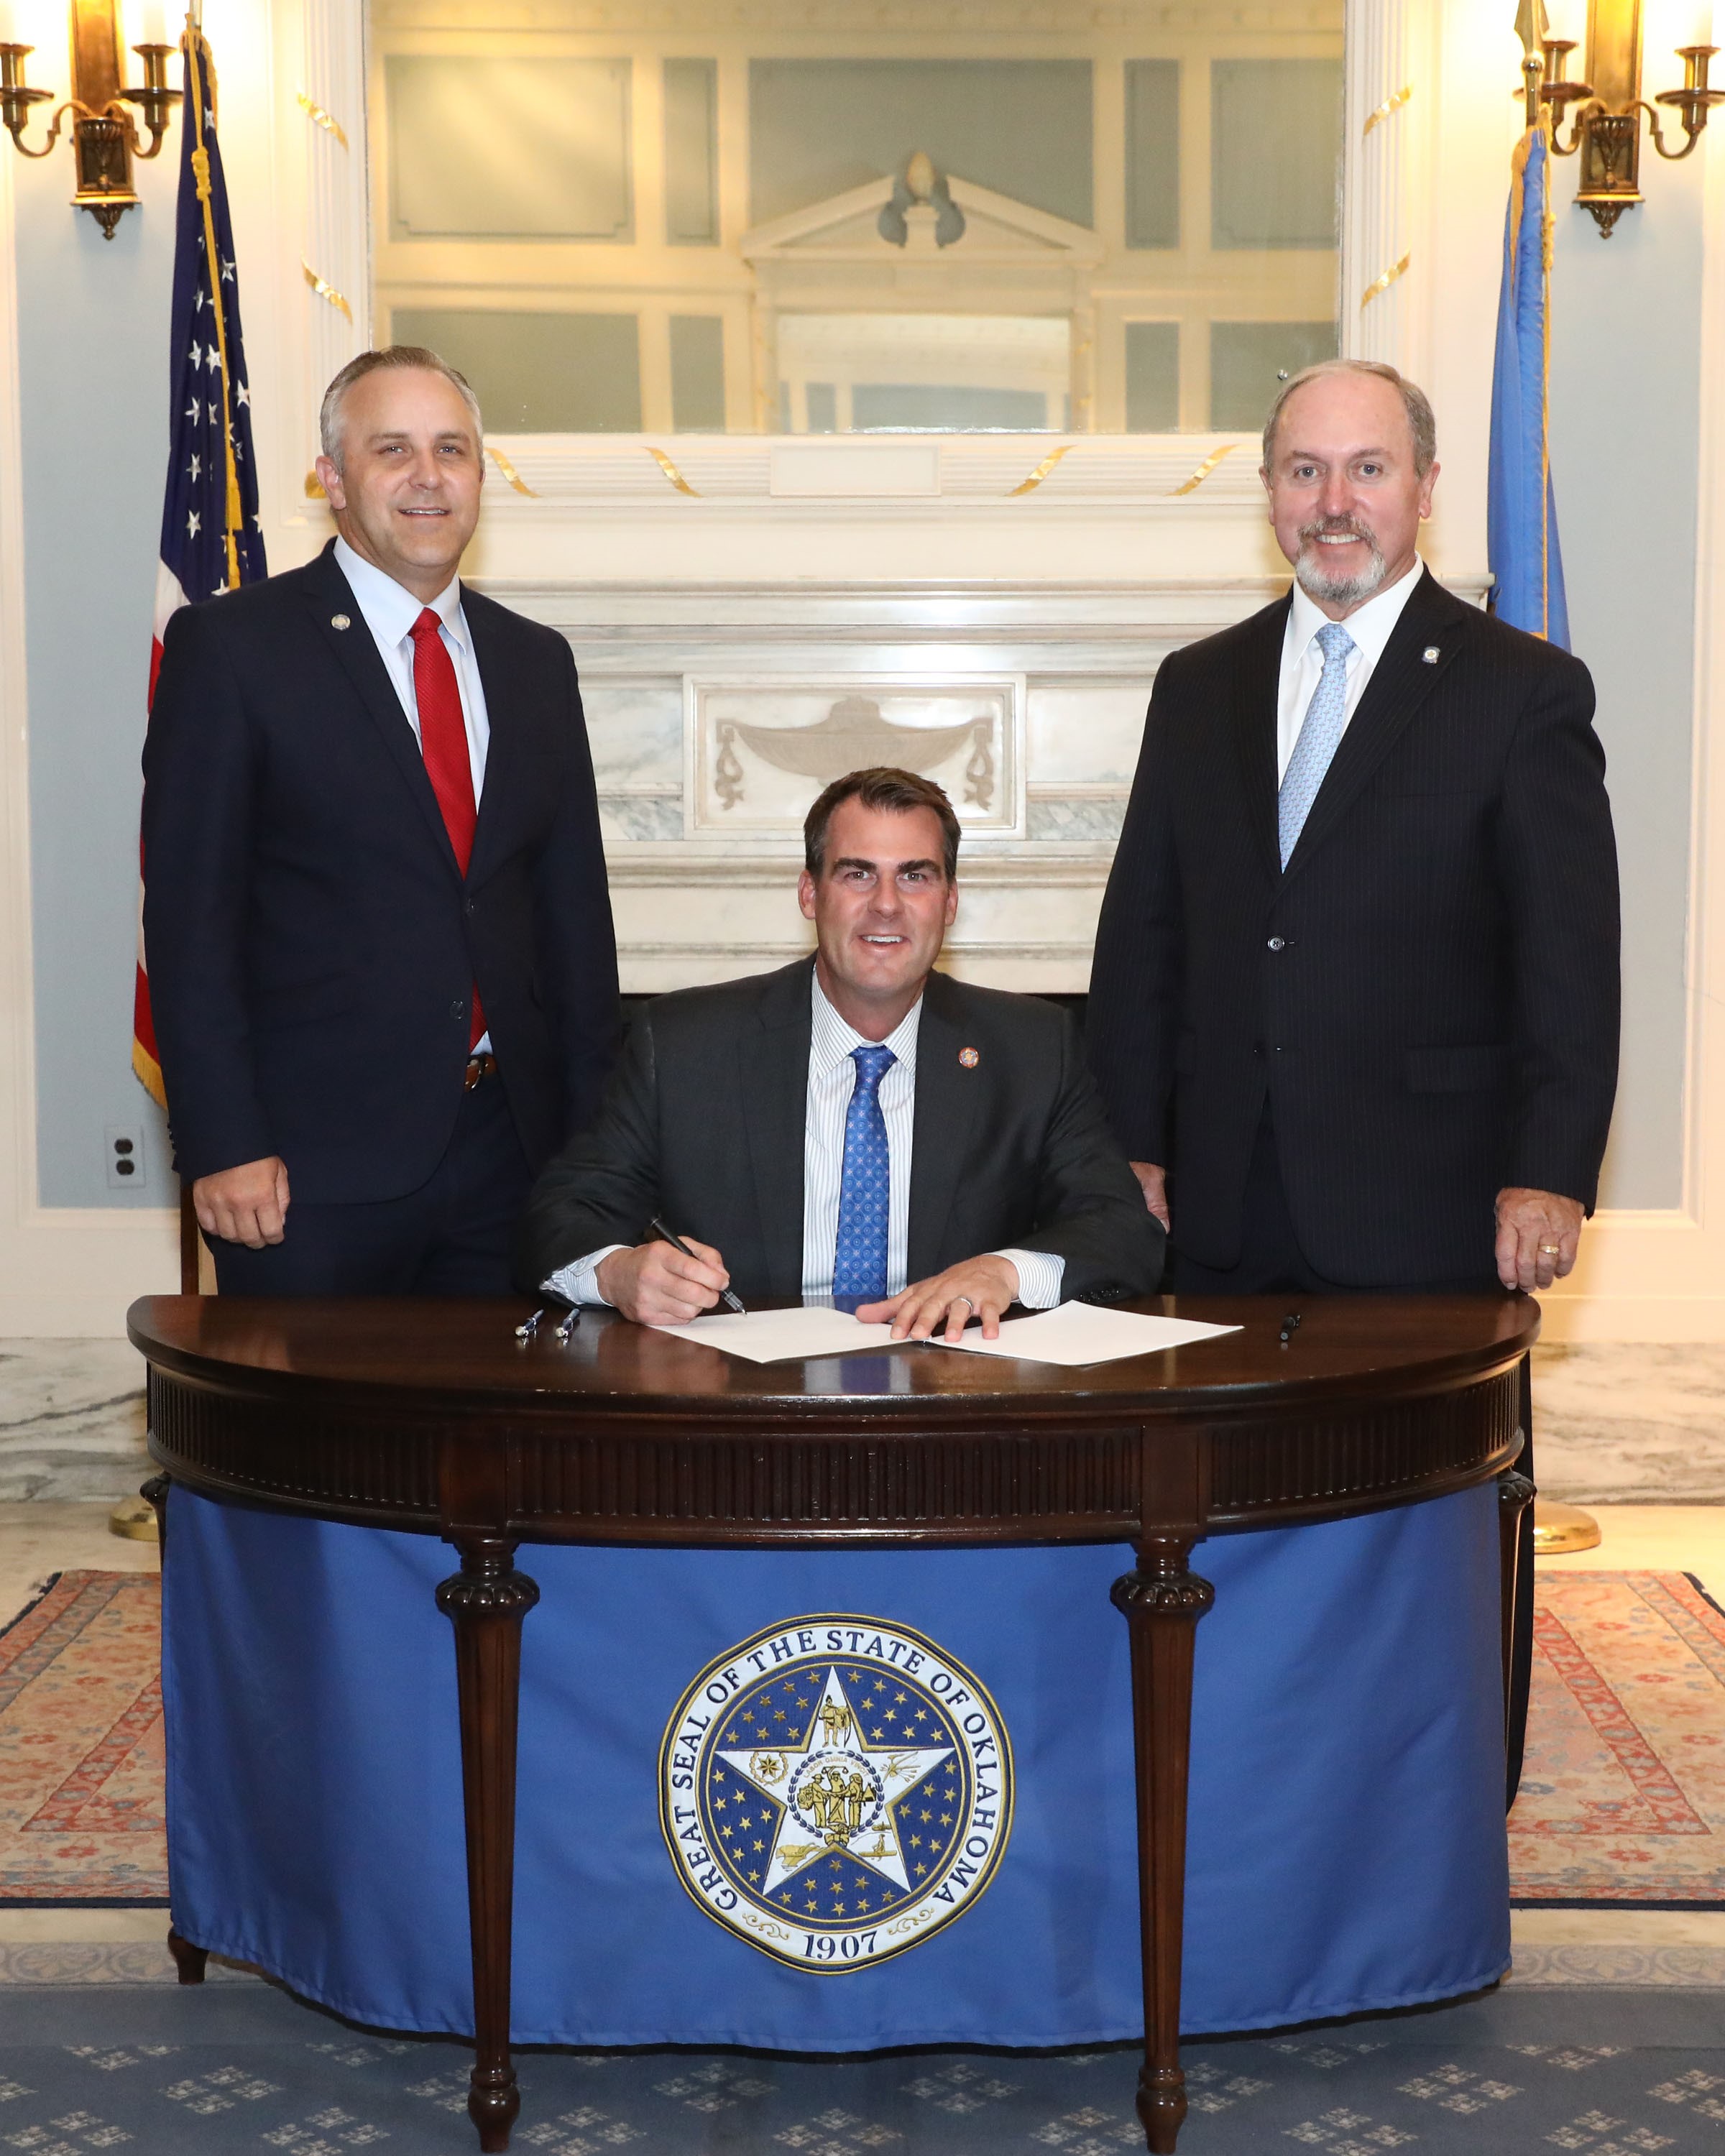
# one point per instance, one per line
(1317, 584)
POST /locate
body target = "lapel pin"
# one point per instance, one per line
(969, 1058)
(340, 621)
(1430, 654)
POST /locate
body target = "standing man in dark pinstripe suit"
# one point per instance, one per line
(1354, 1008)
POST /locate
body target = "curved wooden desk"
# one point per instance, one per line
(429, 1417)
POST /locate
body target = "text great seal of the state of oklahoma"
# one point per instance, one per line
(835, 1789)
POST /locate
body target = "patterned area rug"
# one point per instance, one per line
(1622, 1796)
(81, 1761)
(1623, 1799)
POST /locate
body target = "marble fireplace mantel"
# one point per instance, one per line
(716, 711)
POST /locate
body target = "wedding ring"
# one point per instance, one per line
(1551, 1250)
(965, 1299)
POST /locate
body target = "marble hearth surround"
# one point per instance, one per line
(716, 712)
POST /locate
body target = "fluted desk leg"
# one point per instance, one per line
(486, 1601)
(1515, 1493)
(1161, 1602)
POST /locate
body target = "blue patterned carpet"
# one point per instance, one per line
(242, 2067)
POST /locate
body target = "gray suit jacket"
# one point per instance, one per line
(704, 1123)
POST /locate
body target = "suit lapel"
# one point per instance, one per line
(504, 761)
(1256, 701)
(774, 1075)
(1401, 681)
(947, 1097)
(328, 595)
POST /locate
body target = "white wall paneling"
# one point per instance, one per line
(1075, 588)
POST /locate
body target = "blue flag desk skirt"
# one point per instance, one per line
(1346, 1846)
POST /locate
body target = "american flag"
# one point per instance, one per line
(212, 536)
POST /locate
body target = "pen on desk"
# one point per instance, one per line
(1290, 1326)
(677, 1243)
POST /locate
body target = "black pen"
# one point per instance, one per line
(677, 1243)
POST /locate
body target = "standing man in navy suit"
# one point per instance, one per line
(382, 964)
(1354, 1007)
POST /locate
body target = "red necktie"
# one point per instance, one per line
(443, 742)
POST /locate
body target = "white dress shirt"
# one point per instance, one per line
(1302, 659)
(832, 1080)
(390, 610)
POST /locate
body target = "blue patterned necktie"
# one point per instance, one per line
(860, 1262)
(1326, 716)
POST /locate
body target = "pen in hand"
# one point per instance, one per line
(677, 1243)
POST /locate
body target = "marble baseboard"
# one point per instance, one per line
(72, 1420)
(1630, 1425)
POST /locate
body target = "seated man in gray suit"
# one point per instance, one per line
(854, 1126)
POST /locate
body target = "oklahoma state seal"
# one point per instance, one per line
(835, 1789)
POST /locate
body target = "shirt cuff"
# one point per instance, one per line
(1040, 1276)
(579, 1283)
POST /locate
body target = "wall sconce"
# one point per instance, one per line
(105, 135)
(1606, 125)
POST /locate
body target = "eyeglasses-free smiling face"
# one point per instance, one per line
(407, 497)
(881, 906)
(1345, 501)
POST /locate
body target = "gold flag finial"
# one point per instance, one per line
(1531, 26)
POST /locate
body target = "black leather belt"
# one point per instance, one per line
(478, 1069)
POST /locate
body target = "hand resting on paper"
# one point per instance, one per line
(985, 1285)
(654, 1284)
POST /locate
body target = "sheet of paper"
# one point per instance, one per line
(1080, 1332)
(782, 1336)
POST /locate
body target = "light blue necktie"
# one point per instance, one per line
(859, 1261)
(1326, 716)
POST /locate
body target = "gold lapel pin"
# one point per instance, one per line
(340, 621)
(1431, 655)
(969, 1058)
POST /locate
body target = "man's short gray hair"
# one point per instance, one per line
(329, 418)
(1421, 422)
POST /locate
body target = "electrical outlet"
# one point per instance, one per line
(125, 1151)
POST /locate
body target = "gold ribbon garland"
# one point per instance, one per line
(314, 486)
(510, 472)
(1191, 486)
(1392, 104)
(671, 471)
(324, 289)
(314, 112)
(1380, 285)
(1031, 484)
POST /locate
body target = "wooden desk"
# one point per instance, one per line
(429, 1417)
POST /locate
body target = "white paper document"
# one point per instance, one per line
(782, 1336)
(1080, 1332)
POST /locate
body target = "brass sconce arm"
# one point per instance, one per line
(1693, 101)
(105, 132)
(1604, 125)
(15, 100)
(156, 100)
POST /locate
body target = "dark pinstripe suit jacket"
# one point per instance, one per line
(704, 1126)
(1428, 996)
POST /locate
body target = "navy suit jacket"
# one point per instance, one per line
(1427, 996)
(312, 945)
